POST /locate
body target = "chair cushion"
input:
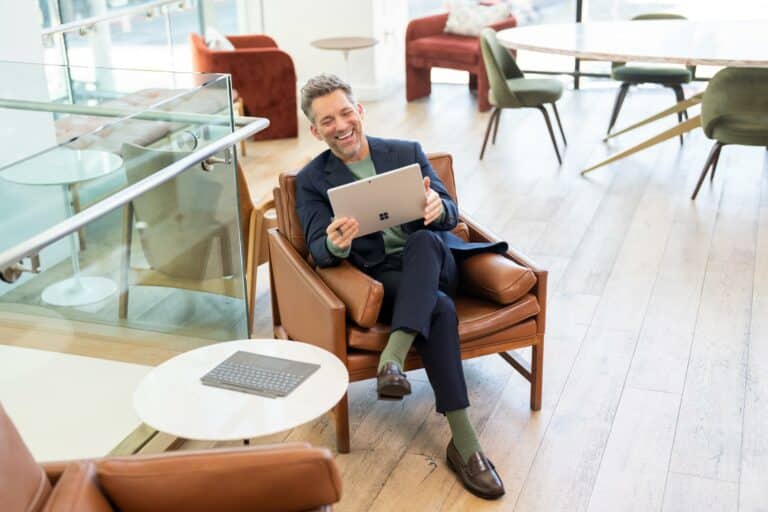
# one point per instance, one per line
(653, 74)
(496, 278)
(532, 92)
(477, 318)
(470, 20)
(215, 40)
(447, 47)
(747, 128)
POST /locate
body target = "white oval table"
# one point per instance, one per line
(65, 167)
(171, 398)
(714, 43)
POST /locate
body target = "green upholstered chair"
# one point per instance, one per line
(632, 74)
(734, 110)
(510, 89)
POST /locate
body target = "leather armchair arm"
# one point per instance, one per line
(477, 234)
(358, 291)
(265, 478)
(252, 41)
(54, 470)
(510, 22)
(427, 26)
(308, 310)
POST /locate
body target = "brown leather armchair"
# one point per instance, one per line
(427, 47)
(501, 307)
(266, 478)
(263, 76)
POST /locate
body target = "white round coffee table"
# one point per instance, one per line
(64, 166)
(171, 398)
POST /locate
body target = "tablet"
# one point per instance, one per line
(382, 201)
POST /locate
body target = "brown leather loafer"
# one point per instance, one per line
(391, 382)
(478, 475)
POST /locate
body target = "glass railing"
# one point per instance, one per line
(120, 236)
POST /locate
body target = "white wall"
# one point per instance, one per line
(374, 72)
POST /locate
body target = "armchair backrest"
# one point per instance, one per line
(288, 221)
(23, 483)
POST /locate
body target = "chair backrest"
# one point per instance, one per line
(181, 219)
(289, 224)
(651, 16)
(734, 91)
(23, 483)
(500, 66)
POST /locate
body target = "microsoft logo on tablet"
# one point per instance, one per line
(383, 216)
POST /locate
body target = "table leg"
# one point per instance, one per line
(678, 107)
(681, 128)
(346, 67)
(77, 290)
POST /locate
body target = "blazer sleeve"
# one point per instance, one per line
(450, 217)
(315, 214)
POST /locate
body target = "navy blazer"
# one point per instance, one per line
(327, 171)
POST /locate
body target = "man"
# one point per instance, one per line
(416, 263)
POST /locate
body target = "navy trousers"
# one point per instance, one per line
(419, 284)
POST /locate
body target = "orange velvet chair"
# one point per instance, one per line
(263, 76)
(427, 47)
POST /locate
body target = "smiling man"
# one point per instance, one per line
(416, 263)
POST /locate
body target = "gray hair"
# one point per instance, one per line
(322, 85)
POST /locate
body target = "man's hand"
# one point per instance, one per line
(341, 231)
(434, 208)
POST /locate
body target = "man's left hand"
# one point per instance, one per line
(434, 208)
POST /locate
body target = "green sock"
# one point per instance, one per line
(464, 436)
(397, 348)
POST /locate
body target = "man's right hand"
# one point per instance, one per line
(342, 231)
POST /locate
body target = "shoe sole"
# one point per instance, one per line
(392, 393)
(470, 489)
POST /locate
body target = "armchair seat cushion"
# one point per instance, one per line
(656, 74)
(477, 318)
(446, 47)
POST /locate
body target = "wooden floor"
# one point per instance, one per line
(656, 365)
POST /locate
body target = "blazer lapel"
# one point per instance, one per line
(336, 173)
(384, 159)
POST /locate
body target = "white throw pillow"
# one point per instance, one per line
(215, 40)
(469, 20)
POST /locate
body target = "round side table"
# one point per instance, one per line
(172, 399)
(65, 167)
(346, 45)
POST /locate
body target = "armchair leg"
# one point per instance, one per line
(551, 132)
(418, 82)
(341, 414)
(559, 124)
(617, 105)
(537, 373)
(714, 164)
(714, 155)
(491, 119)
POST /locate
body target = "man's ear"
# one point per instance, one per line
(360, 110)
(314, 132)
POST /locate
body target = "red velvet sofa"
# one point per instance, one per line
(427, 46)
(263, 76)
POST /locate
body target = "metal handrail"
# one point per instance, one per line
(34, 244)
(150, 115)
(116, 14)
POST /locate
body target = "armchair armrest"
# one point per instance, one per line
(424, 27)
(478, 234)
(308, 310)
(252, 41)
(510, 22)
(358, 291)
(266, 478)
(496, 278)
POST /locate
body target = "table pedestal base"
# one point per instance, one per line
(79, 291)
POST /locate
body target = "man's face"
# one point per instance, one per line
(339, 123)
